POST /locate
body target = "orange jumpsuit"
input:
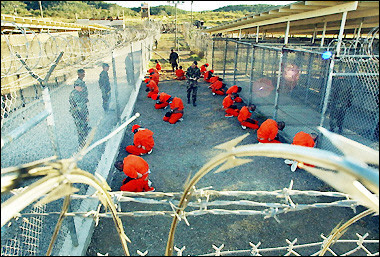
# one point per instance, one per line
(203, 70)
(133, 164)
(303, 139)
(176, 106)
(164, 97)
(158, 67)
(213, 79)
(153, 88)
(245, 114)
(142, 142)
(234, 90)
(180, 74)
(156, 77)
(217, 88)
(136, 185)
(152, 70)
(207, 76)
(268, 130)
(227, 102)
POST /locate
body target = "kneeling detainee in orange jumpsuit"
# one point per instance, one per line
(235, 90)
(267, 133)
(176, 110)
(218, 87)
(208, 75)
(204, 69)
(229, 107)
(302, 139)
(152, 88)
(213, 79)
(180, 74)
(155, 76)
(162, 100)
(143, 141)
(245, 117)
(136, 169)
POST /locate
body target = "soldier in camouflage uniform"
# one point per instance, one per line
(192, 74)
(104, 84)
(78, 107)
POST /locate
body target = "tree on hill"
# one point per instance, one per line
(257, 8)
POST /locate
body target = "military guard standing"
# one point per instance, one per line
(78, 107)
(104, 84)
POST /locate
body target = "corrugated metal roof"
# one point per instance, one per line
(305, 17)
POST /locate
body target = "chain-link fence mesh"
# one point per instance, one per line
(291, 84)
(57, 118)
(199, 43)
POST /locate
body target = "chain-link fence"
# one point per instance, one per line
(199, 43)
(292, 84)
(42, 117)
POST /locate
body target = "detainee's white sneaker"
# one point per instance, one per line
(150, 151)
(289, 162)
(243, 127)
(213, 94)
(294, 166)
(149, 182)
(181, 119)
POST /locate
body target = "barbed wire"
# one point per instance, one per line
(39, 50)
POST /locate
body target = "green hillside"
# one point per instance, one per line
(258, 8)
(68, 11)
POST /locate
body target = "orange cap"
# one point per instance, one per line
(135, 127)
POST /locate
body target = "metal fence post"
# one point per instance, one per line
(133, 65)
(236, 57)
(246, 61)
(212, 55)
(262, 61)
(309, 69)
(278, 85)
(115, 86)
(225, 57)
(251, 77)
(328, 90)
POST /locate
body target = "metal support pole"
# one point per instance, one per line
(278, 86)
(225, 57)
(236, 57)
(309, 69)
(246, 61)
(341, 31)
(328, 90)
(262, 61)
(251, 77)
(314, 34)
(358, 33)
(176, 25)
(257, 34)
(323, 33)
(212, 55)
(72, 229)
(287, 33)
(115, 86)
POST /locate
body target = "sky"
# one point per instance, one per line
(197, 5)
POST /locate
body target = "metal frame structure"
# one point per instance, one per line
(306, 18)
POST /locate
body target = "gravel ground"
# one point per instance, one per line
(182, 149)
